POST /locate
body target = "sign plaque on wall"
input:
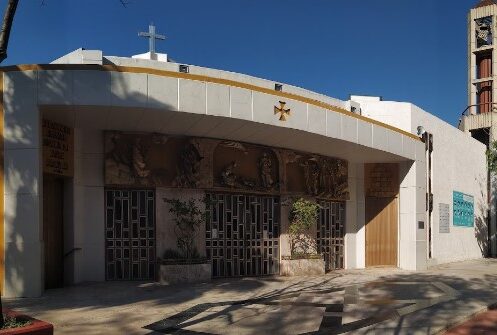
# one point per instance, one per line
(381, 180)
(464, 213)
(58, 149)
(444, 218)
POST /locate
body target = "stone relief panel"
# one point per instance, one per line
(188, 165)
(157, 160)
(315, 175)
(245, 166)
(154, 160)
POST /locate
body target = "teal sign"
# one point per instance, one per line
(464, 210)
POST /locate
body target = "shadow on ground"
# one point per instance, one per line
(365, 301)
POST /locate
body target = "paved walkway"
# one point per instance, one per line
(374, 301)
(484, 323)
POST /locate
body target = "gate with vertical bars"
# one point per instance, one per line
(130, 234)
(330, 233)
(242, 234)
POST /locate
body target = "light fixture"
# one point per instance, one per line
(421, 131)
(184, 68)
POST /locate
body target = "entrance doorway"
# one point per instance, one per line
(242, 234)
(130, 234)
(381, 188)
(330, 233)
(381, 231)
(53, 230)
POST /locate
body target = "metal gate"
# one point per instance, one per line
(330, 233)
(130, 235)
(242, 234)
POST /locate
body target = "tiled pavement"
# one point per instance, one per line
(373, 301)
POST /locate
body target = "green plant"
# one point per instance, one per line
(303, 216)
(492, 157)
(188, 217)
(171, 254)
(13, 322)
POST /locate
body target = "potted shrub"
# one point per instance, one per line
(304, 259)
(184, 265)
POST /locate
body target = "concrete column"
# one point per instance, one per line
(23, 187)
(89, 211)
(412, 237)
(354, 216)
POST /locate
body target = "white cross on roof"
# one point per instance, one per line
(152, 36)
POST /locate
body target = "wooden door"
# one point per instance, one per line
(381, 231)
(53, 233)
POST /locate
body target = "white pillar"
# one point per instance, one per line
(412, 209)
(23, 187)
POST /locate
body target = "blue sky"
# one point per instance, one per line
(402, 50)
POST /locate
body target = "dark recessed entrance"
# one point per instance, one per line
(53, 230)
(130, 234)
(242, 234)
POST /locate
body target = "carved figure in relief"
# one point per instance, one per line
(326, 177)
(159, 138)
(235, 145)
(117, 161)
(139, 164)
(228, 176)
(265, 165)
(188, 167)
(341, 182)
(311, 175)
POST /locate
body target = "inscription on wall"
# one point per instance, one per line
(58, 149)
(444, 218)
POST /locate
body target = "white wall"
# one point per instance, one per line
(412, 206)
(397, 114)
(459, 164)
(355, 244)
(88, 207)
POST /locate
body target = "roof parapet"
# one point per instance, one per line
(81, 56)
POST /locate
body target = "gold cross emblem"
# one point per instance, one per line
(282, 111)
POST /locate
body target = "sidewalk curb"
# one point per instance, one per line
(460, 320)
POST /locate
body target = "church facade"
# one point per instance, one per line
(93, 144)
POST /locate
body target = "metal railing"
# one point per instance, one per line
(71, 251)
(475, 109)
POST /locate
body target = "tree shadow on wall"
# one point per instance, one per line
(21, 185)
(28, 95)
(482, 221)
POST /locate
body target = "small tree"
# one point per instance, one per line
(188, 217)
(303, 216)
(492, 157)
